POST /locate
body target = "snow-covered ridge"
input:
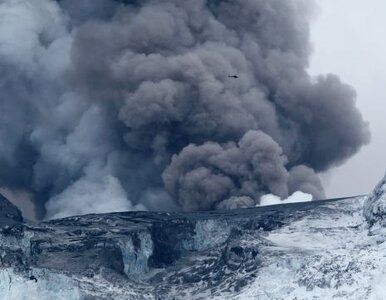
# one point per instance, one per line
(374, 208)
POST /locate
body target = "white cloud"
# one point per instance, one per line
(296, 197)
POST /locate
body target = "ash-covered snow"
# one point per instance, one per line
(300, 251)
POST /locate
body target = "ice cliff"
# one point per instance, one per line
(314, 250)
(374, 208)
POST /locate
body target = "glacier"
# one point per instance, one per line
(374, 209)
(331, 249)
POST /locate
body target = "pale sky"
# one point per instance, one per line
(349, 40)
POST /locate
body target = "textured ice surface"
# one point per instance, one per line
(49, 286)
(314, 250)
(321, 256)
(135, 255)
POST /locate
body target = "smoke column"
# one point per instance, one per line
(166, 104)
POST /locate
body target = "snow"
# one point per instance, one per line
(328, 258)
(49, 286)
(374, 208)
(332, 250)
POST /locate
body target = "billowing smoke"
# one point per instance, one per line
(166, 104)
(296, 197)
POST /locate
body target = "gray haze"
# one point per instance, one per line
(347, 38)
(115, 105)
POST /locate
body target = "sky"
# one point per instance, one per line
(348, 38)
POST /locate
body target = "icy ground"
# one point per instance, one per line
(328, 254)
(315, 250)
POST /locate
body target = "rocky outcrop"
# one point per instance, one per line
(9, 212)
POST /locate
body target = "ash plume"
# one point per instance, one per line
(166, 104)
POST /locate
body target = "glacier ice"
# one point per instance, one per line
(374, 208)
(208, 234)
(136, 251)
(312, 250)
(49, 286)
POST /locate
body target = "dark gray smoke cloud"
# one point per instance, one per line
(123, 105)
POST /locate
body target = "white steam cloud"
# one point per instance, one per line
(296, 197)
